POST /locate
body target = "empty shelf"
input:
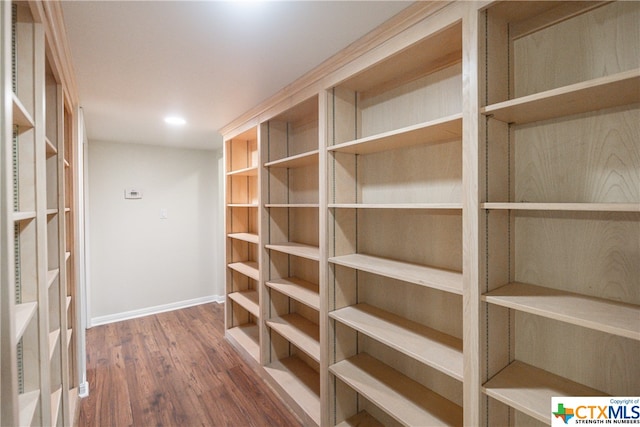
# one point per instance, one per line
(424, 206)
(587, 207)
(251, 171)
(296, 161)
(23, 216)
(51, 276)
(297, 249)
(404, 399)
(27, 403)
(445, 280)
(299, 331)
(51, 149)
(291, 205)
(247, 300)
(53, 340)
(529, 389)
(440, 130)
(298, 289)
(595, 313)
(246, 336)
(597, 94)
(299, 381)
(248, 268)
(21, 116)
(429, 346)
(55, 405)
(24, 314)
(361, 419)
(247, 237)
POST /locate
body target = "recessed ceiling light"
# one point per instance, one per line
(175, 121)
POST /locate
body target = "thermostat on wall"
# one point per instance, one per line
(131, 193)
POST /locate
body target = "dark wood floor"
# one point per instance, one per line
(174, 369)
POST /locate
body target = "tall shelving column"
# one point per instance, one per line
(291, 277)
(395, 238)
(242, 221)
(561, 205)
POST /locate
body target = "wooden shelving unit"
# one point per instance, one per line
(449, 225)
(562, 155)
(291, 279)
(242, 316)
(38, 370)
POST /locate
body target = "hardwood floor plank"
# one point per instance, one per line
(173, 369)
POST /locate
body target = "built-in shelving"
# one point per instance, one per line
(404, 399)
(248, 268)
(247, 237)
(296, 249)
(247, 337)
(300, 290)
(248, 300)
(300, 160)
(21, 116)
(300, 332)
(449, 281)
(574, 207)
(24, 314)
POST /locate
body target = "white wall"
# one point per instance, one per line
(140, 263)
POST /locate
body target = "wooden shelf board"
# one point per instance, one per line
(56, 397)
(594, 313)
(440, 130)
(297, 249)
(292, 205)
(529, 389)
(52, 211)
(73, 402)
(597, 94)
(242, 205)
(24, 314)
(407, 401)
(21, 116)
(68, 302)
(425, 206)
(588, 207)
(69, 335)
(66, 210)
(53, 340)
(23, 216)
(298, 289)
(248, 268)
(301, 382)
(51, 149)
(247, 300)
(429, 346)
(27, 404)
(251, 171)
(66, 163)
(247, 237)
(300, 332)
(361, 419)
(247, 337)
(445, 280)
(297, 161)
(51, 276)
(67, 255)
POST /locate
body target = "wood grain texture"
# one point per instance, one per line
(174, 368)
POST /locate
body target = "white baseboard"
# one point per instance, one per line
(111, 318)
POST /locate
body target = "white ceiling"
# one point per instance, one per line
(209, 61)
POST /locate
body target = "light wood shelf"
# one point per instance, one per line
(68, 303)
(66, 163)
(21, 117)
(298, 289)
(56, 398)
(67, 255)
(242, 205)
(53, 340)
(247, 237)
(51, 149)
(361, 419)
(69, 335)
(247, 336)
(248, 268)
(292, 205)
(296, 249)
(297, 161)
(299, 331)
(575, 207)
(407, 401)
(247, 300)
(529, 389)
(445, 280)
(24, 314)
(434, 131)
(612, 317)
(27, 403)
(433, 348)
(251, 171)
(51, 276)
(73, 402)
(596, 94)
(301, 382)
(24, 216)
(422, 206)
(52, 211)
